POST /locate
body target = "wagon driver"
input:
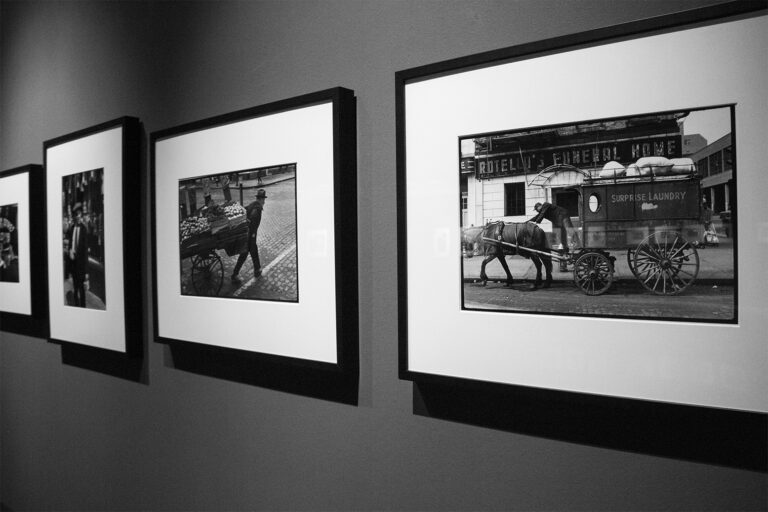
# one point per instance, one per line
(253, 214)
(559, 218)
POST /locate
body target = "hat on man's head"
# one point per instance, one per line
(261, 193)
(78, 206)
(537, 206)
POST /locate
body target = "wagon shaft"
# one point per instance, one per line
(519, 247)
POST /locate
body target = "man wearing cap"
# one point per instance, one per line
(559, 218)
(78, 255)
(253, 214)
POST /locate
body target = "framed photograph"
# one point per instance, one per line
(254, 217)
(569, 210)
(212, 218)
(621, 206)
(23, 292)
(94, 243)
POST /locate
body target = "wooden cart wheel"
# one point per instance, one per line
(593, 273)
(666, 263)
(631, 262)
(207, 274)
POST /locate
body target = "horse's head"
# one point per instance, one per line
(471, 234)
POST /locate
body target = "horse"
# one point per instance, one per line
(500, 239)
(471, 240)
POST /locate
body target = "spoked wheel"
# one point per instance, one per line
(207, 274)
(631, 262)
(593, 273)
(666, 263)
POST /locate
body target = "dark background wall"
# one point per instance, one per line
(75, 438)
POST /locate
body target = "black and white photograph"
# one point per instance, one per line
(237, 234)
(251, 227)
(93, 210)
(9, 243)
(626, 217)
(83, 239)
(23, 298)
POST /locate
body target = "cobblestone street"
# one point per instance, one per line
(626, 298)
(276, 241)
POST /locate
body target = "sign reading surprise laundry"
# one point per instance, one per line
(649, 196)
(668, 199)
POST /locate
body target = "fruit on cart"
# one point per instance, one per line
(193, 226)
(234, 210)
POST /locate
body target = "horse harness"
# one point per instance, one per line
(499, 236)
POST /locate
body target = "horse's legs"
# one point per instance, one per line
(548, 267)
(503, 261)
(483, 275)
(537, 263)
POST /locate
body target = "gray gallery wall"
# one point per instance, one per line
(74, 438)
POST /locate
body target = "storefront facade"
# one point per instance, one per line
(504, 175)
(715, 165)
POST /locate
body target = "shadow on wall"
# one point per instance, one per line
(294, 376)
(699, 434)
(115, 364)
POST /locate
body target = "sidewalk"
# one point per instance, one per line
(716, 265)
(265, 182)
(92, 301)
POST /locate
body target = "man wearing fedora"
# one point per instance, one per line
(253, 214)
(78, 254)
(559, 218)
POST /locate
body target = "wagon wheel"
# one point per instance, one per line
(593, 273)
(631, 262)
(207, 274)
(666, 263)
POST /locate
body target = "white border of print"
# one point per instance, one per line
(17, 297)
(305, 330)
(97, 328)
(703, 364)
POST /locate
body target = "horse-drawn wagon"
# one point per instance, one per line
(203, 234)
(655, 218)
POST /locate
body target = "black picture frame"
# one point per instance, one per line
(109, 152)
(36, 323)
(525, 406)
(244, 362)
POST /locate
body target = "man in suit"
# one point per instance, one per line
(253, 214)
(78, 255)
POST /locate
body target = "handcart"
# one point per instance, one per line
(207, 274)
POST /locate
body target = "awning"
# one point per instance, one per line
(545, 175)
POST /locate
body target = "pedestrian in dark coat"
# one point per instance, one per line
(253, 214)
(559, 218)
(78, 255)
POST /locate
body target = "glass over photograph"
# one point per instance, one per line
(83, 239)
(237, 234)
(626, 217)
(9, 243)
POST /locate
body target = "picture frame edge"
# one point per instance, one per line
(344, 119)
(37, 323)
(131, 142)
(672, 22)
